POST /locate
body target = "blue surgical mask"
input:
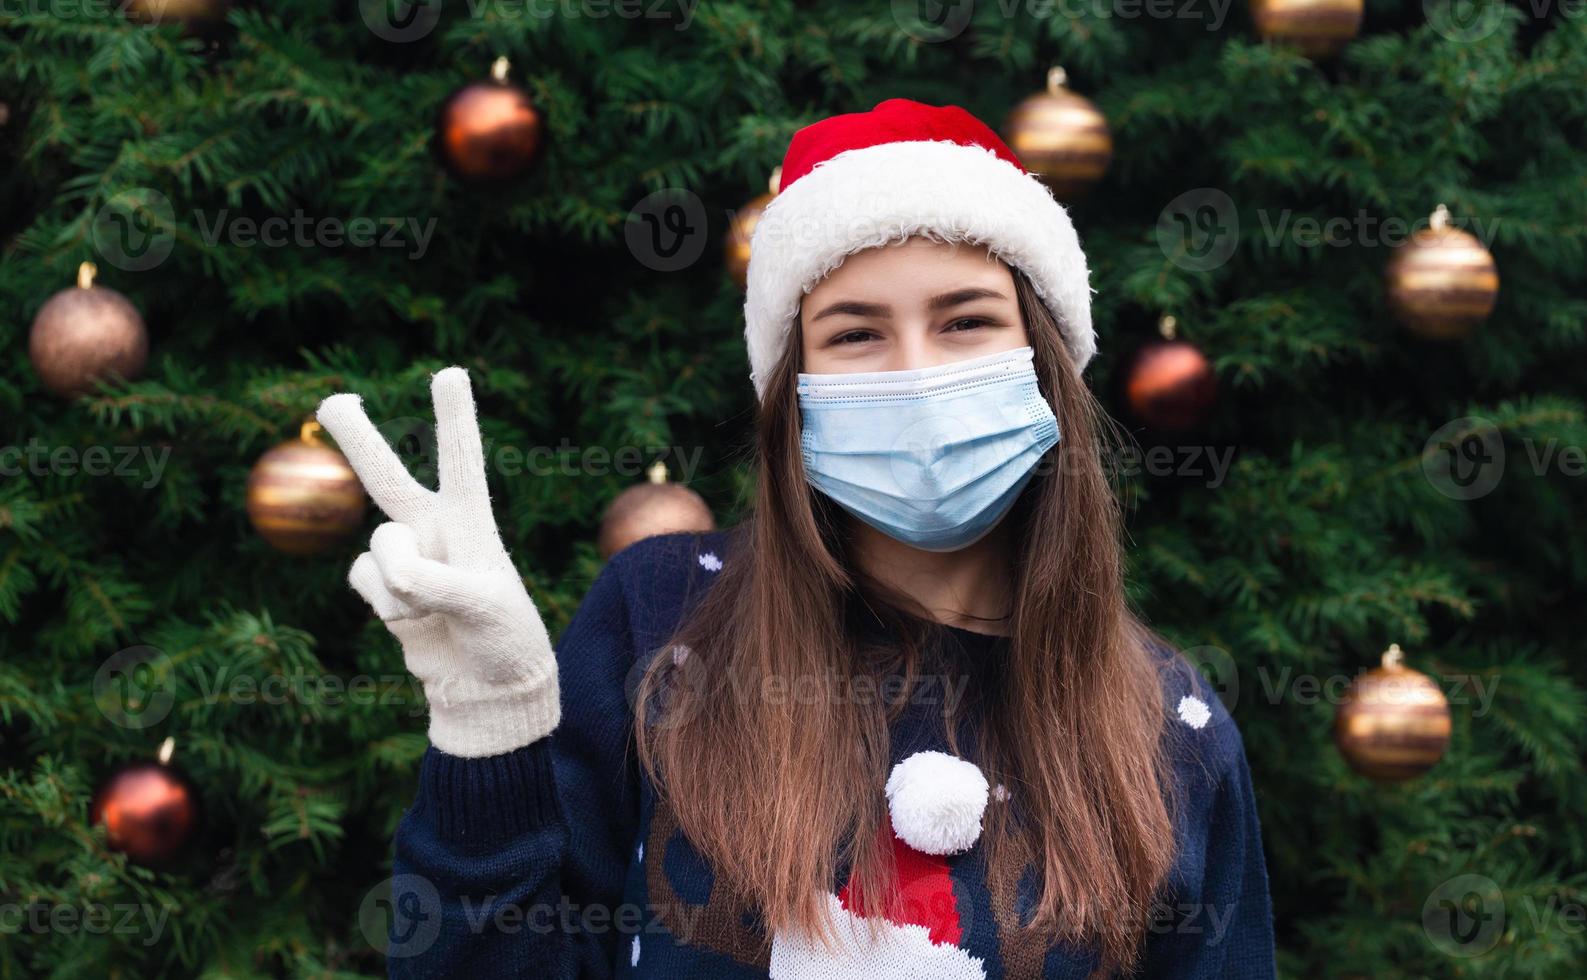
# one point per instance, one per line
(932, 457)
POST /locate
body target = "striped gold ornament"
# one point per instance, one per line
(1442, 282)
(1315, 28)
(1061, 137)
(1393, 722)
(303, 497)
(741, 230)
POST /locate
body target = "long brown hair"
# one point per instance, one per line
(778, 793)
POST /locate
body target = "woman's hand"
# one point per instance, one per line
(440, 578)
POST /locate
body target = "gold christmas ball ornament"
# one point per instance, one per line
(490, 132)
(303, 497)
(648, 509)
(1315, 28)
(86, 334)
(1442, 283)
(1393, 723)
(741, 230)
(1061, 137)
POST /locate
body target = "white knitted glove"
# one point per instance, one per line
(440, 578)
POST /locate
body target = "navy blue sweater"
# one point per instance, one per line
(555, 860)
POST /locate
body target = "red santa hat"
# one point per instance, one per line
(864, 179)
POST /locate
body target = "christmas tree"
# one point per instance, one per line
(263, 185)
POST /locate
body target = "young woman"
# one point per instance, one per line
(901, 722)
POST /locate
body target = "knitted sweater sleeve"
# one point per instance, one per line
(491, 878)
(1221, 927)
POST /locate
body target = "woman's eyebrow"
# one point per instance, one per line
(855, 308)
(958, 296)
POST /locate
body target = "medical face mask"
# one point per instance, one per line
(932, 457)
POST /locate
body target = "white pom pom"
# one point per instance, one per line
(936, 802)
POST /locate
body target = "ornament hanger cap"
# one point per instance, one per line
(85, 275)
(167, 749)
(1440, 219)
(1167, 326)
(499, 68)
(776, 180)
(657, 472)
(1057, 78)
(310, 431)
(1393, 656)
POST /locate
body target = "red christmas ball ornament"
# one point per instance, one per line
(1170, 384)
(149, 810)
(489, 132)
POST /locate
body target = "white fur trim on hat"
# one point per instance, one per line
(936, 802)
(878, 195)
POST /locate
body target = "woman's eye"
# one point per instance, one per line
(967, 323)
(853, 337)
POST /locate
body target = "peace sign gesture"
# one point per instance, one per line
(439, 576)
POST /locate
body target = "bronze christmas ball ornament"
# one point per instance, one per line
(490, 132)
(148, 809)
(1061, 137)
(1315, 28)
(741, 230)
(191, 14)
(1170, 384)
(1442, 283)
(1393, 723)
(303, 497)
(651, 508)
(86, 334)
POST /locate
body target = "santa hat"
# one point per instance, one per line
(865, 179)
